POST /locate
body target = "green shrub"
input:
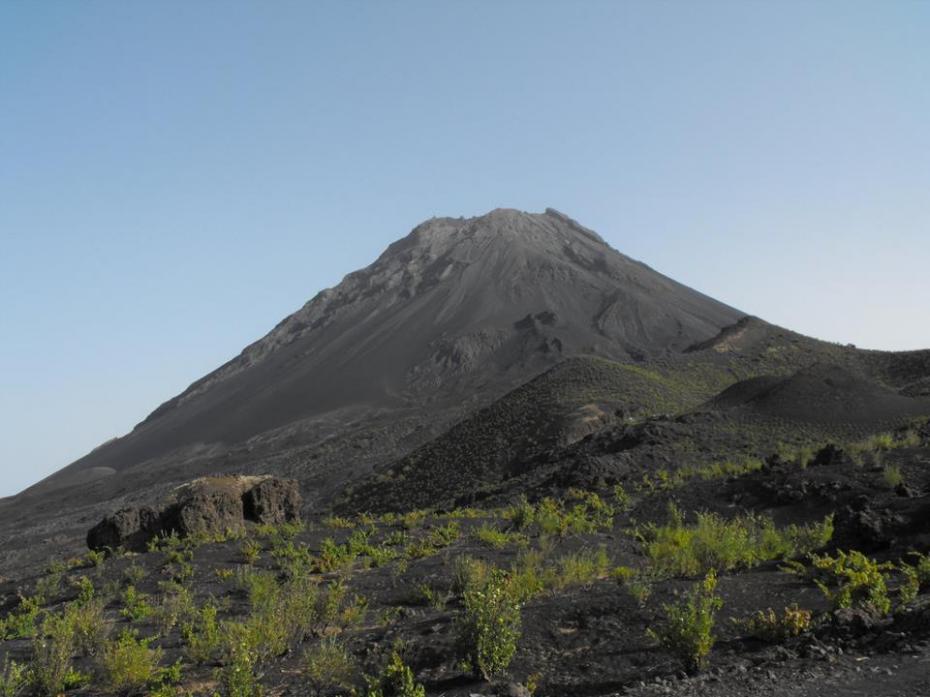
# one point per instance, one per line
(49, 586)
(251, 550)
(490, 626)
(284, 614)
(129, 663)
(51, 670)
(21, 622)
(922, 567)
(261, 587)
(396, 680)
(444, 535)
(382, 555)
(94, 558)
(910, 586)
(528, 576)
(85, 589)
(337, 522)
(714, 542)
(581, 568)
(770, 626)
(622, 498)
(134, 574)
(13, 678)
(202, 638)
(582, 512)
(88, 624)
(688, 628)
(588, 512)
(495, 538)
(333, 556)
(237, 677)
(522, 514)
(136, 605)
(852, 579)
(468, 572)
(329, 666)
(892, 476)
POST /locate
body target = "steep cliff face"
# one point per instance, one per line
(457, 308)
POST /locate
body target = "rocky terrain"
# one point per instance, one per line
(502, 460)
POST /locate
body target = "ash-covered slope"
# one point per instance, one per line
(457, 309)
(821, 393)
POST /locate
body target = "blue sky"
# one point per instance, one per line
(176, 177)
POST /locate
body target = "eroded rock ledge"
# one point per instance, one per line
(209, 505)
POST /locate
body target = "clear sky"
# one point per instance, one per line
(176, 177)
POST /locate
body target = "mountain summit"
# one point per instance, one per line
(460, 309)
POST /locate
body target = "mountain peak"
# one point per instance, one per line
(459, 309)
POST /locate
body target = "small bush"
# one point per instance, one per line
(51, 669)
(528, 576)
(175, 607)
(21, 622)
(13, 678)
(129, 663)
(237, 677)
(495, 538)
(134, 574)
(329, 666)
(251, 550)
(444, 535)
(202, 638)
(622, 498)
(468, 572)
(337, 522)
(852, 579)
(892, 476)
(770, 626)
(490, 627)
(88, 625)
(714, 542)
(688, 628)
(94, 558)
(397, 680)
(333, 556)
(581, 568)
(136, 605)
(922, 568)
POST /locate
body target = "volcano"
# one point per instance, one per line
(458, 311)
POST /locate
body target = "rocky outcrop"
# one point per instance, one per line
(130, 528)
(272, 501)
(211, 505)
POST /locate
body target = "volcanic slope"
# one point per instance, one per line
(753, 388)
(454, 314)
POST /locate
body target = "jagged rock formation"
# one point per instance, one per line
(205, 506)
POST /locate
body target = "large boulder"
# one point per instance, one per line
(272, 501)
(206, 506)
(129, 528)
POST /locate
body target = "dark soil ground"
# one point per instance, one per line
(587, 637)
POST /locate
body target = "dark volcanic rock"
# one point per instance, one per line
(862, 527)
(130, 528)
(206, 508)
(828, 455)
(272, 501)
(212, 505)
